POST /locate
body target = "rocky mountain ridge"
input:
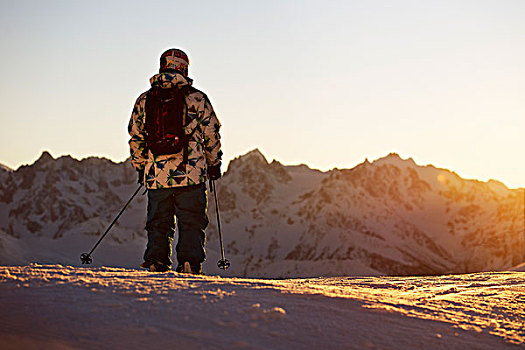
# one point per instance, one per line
(390, 216)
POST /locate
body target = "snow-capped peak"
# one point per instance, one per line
(44, 158)
(395, 159)
(254, 157)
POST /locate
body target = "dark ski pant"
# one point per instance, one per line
(186, 207)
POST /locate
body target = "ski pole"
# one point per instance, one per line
(223, 263)
(86, 257)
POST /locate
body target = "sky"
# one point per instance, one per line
(325, 83)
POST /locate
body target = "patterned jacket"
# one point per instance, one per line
(204, 147)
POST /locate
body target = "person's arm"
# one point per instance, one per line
(136, 129)
(212, 140)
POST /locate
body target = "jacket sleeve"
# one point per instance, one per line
(136, 129)
(212, 138)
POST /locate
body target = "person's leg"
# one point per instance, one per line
(191, 204)
(160, 226)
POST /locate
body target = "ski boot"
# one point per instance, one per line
(188, 268)
(155, 266)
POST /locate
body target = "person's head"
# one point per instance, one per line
(174, 60)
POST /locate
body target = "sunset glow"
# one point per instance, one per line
(326, 84)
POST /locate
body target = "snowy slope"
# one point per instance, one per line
(62, 307)
(390, 217)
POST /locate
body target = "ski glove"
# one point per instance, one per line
(140, 174)
(214, 172)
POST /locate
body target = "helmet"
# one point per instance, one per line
(174, 59)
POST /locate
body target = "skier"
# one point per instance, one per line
(175, 147)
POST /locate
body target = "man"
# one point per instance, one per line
(175, 146)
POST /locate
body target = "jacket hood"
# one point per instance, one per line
(167, 80)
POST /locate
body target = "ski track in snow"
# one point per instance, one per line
(64, 307)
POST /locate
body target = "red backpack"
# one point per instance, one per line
(166, 112)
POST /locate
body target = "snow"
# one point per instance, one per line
(65, 307)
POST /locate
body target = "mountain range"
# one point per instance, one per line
(386, 217)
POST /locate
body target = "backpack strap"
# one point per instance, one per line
(186, 91)
(187, 137)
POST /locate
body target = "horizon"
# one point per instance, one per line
(225, 166)
(328, 84)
